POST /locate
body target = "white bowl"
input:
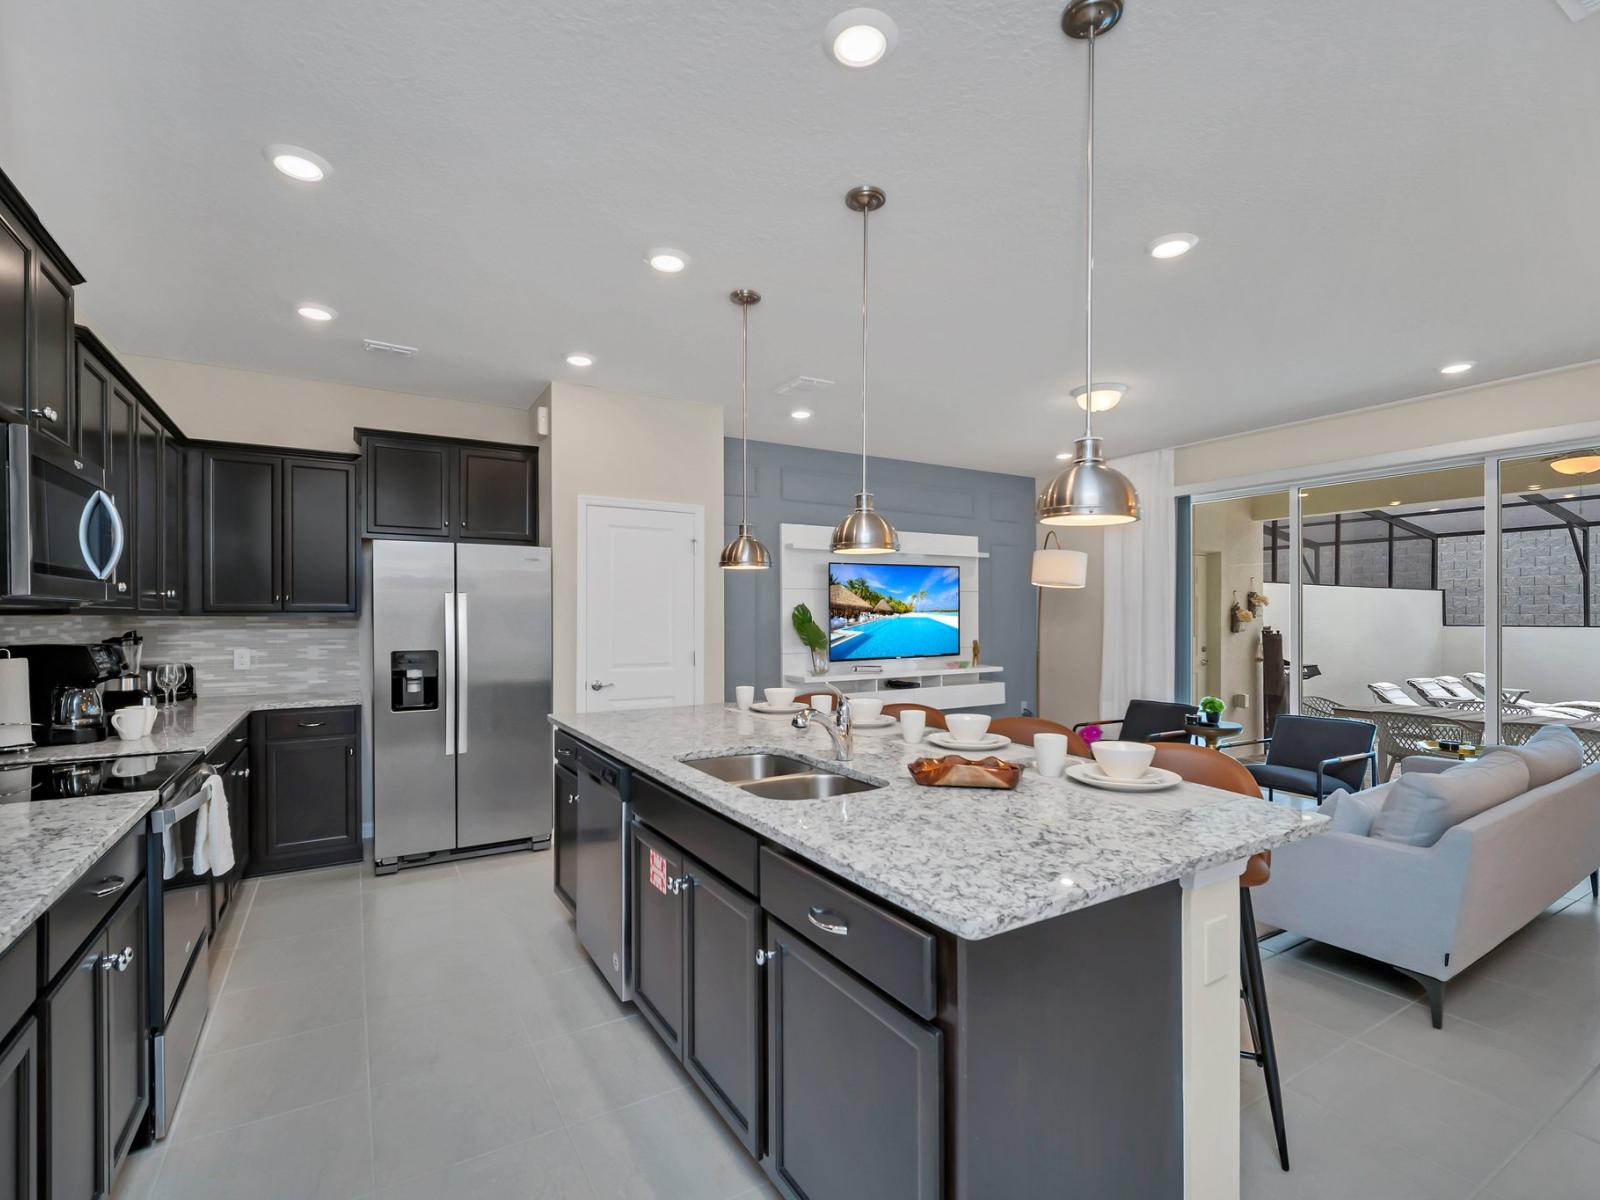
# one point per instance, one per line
(1124, 760)
(967, 727)
(779, 697)
(866, 708)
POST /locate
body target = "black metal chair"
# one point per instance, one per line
(1315, 756)
(1148, 721)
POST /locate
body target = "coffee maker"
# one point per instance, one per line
(127, 689)
(64, 681)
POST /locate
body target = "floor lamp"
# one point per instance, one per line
(1053, 567)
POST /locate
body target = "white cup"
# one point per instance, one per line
(744, 695)
(1124, 760)
(134, 722)
(967, 727)
(1050, 754)
(822, 701)
(866, 708)
(913, 723)
(779, 697)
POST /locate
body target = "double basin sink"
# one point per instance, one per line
(779, 777)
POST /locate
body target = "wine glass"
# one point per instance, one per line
(170, 677)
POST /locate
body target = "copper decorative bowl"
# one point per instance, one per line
(954, 771)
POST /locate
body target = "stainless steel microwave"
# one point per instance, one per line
(63, 534)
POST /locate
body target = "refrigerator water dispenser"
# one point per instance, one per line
(413, 680)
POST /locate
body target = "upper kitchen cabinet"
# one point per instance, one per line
(278, 532)
(418, 487)
(38, 367)
(157, 540)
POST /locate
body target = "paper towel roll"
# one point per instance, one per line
(16, 720)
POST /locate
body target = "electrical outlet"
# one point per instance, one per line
(241, 660)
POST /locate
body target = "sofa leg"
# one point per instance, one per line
(1594, 884)
(1435, 992)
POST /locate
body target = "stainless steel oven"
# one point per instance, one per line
(63, 534)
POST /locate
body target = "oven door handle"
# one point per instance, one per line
(163, 819)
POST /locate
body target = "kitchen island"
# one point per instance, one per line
(918, 992)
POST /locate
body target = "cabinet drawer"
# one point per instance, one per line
(883, 948)
(19, 980)
(312, 722)
(236, 740)
(724, 847)
(73, 918)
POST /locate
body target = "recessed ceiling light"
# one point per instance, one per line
(579, 359)
(1433, 510)
(1457, 368)
(1173, 245)
(668, 262)
(1534, 487)
(298, 163)
(1064, 456)
(801, 414)
(1394, 504)
(1570, 496)
(860, 37)
(1105, 396)
(316, 312)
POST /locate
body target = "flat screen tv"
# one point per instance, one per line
(881, 611)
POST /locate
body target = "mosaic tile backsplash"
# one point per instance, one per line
(290, 653)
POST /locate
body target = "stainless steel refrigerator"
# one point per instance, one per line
(461, 693)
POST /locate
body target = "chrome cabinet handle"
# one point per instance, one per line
(595, 685)
(312, 724)
(463, 673)
(48, 413)
(118, 962)
(109, 886)
(828, 922)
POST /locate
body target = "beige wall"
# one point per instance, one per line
(225, 404)
(1509, 410)
(1070, 641)
(1228, 532)
(631, 448)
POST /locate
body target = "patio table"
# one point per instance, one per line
(1405, 728)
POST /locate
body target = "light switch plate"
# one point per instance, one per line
(241, 660)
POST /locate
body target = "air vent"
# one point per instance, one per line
(1579, 9)
(803, 385)
(378, 347)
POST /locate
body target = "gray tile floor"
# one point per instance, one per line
(437, 1034)
(434, 1033)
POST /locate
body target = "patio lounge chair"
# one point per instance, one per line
(1477, 681)
(1435, 692)
(1390, 693)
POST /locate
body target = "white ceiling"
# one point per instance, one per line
(1377, 191)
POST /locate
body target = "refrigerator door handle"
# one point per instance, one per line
(449, 673)
(466, 673)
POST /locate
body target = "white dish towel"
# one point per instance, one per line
(213, 838)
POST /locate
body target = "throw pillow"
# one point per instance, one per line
(1354, 812)
(1551, 754)
(1420, 808)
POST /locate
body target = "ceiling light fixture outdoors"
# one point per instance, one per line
(801, 414)
(319, 313)
(1104, 397)
(863, 531)
(668, 262)
(580, 359)
(1089, 492)
(1579, 462)
(1173, 245)
(860, 37)
(1457, 368)
(298, 163)
(745, 552)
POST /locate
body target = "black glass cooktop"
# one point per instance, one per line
(25, 782)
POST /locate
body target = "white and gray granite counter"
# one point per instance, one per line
(973, 862)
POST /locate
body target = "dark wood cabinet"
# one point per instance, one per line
(16, 272)
(94, 406)
(54, 361)
(564, 841)
(319, 536)
(148, 583)
(419, 487)
(126, 1086)
(658, 935)
(306, 794)
(854, 1089)
(19, 1113)
(172, 459)
(38, 362)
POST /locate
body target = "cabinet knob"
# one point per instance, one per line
(48, 413)
(118, 962)
(122, 587)
(763, 957)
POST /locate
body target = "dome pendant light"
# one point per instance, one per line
(1089, 492)
(863, 531)
(745, 552)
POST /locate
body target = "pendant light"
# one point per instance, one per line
(863, 531)
(1089, 492)
(745, 552)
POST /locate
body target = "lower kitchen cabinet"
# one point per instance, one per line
(854, 1090)
(306, 788)
(658, 935)
(19, 1113)
(236, 784)
(564, 841)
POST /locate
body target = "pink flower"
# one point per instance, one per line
(1092, 734)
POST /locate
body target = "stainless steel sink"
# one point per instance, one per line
(814, 785)
(743, 768)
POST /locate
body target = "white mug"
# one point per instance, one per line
(1050, 753)
(134, 722)
(822, 701)
(913, 722)
(744, 695)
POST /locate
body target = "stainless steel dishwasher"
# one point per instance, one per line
(602, 866)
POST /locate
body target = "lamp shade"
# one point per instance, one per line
(1054, 568)
(1089, 492)
(745, 553)
(863, 531)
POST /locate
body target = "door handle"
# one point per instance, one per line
(595, 685)
(312, 724)
(828, 922)
(465, 671)
(450, 673)
(109, 886)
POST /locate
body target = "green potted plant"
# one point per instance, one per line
(1211, 710)
(811, 634)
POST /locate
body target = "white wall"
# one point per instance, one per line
(1362, 635)
(1554, 663)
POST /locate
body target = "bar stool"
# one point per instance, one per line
(1212, 768)
(1022, 729)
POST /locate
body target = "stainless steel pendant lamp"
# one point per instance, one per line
(864, 531)
(745, 552)
(1089, 492)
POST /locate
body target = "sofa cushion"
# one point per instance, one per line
(1551, 754)
(1420, 808)
(1354, 812)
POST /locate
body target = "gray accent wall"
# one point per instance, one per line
(796, 485)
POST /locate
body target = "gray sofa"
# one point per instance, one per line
(1431, 871)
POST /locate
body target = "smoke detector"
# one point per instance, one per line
(803, 385)
(1579, 9)
(378, 347)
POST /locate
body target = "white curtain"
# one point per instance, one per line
(1140, 578)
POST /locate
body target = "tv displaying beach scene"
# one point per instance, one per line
(878, 611)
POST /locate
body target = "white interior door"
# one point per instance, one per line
(639, 606)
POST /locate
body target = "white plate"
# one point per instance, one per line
(776, 710)
(949, 741)
(1153, 780)
(879, 722)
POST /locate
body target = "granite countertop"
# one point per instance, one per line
(46, 846)
(973, 862)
